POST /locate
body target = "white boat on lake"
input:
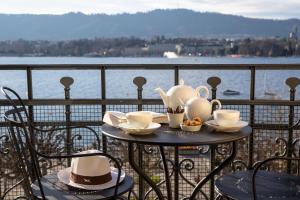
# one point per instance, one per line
(170, 54)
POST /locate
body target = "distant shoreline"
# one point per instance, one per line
(156, 47)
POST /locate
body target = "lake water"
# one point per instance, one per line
(119, 82)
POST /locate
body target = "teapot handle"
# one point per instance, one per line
(206, 91)
(218, 102)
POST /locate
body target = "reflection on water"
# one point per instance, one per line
(119, 82)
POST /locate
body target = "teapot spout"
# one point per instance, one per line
(163, 95)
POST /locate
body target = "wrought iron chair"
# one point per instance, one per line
(28, 159)
(259, 184)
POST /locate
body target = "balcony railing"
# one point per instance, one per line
(269, 118)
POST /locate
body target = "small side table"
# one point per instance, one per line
(165, 136)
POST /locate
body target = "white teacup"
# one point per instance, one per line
(139, 119)
(226, 117)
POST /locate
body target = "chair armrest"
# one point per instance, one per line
(259, 165)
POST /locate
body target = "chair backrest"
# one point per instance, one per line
(21, 136)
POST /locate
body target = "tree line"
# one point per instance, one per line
(138, 47)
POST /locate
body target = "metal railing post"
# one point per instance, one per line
(30, 97)
(176, 75)
(139, 82)
(252, 116)
(176, 151)
(67, 82)
(292, 82)
(213, 82)
(103, 106)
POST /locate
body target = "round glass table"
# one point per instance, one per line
(165, 136)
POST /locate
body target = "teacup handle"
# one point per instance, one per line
(206, 91)
(217, 102)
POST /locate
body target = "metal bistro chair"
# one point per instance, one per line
(37, 186)
(258, 184)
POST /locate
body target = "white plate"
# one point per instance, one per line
(137, 131)
(233, 128)
(64, 177)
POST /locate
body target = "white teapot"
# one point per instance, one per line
(200, 107)
(180, 94)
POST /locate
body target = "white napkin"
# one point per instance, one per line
(159, 118)
(114, 118)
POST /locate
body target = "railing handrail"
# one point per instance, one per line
(131, 101)
(154, 66)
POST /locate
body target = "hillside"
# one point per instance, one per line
(170, 23)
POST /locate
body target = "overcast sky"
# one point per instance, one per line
(279, 9)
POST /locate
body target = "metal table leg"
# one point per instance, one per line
(176, 173)
(141, 173)
(166, 169)
(226, 162)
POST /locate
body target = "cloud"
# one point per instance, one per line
(250, 8)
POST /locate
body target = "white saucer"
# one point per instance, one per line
(232, 128)
(128, 128)
(64, 177)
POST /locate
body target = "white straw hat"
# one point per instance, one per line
(90, 173)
